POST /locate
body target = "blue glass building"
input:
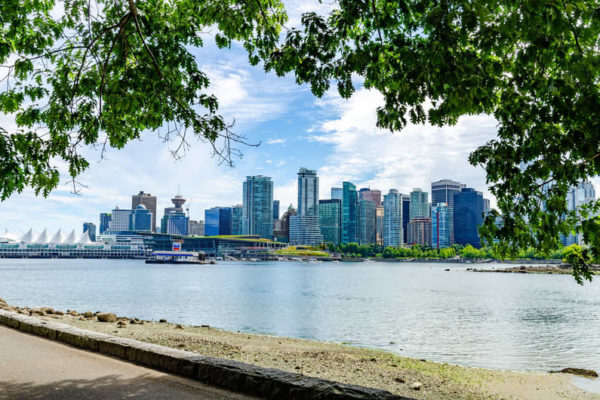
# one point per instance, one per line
(236, 220)
(330, 220)
(257, 211)
(392, 219)
(218, 221)
(211, 221)
(468, 216)
(349, 213)
(441, 225)
(140, 219)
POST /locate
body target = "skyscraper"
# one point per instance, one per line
(104, 222)
(392, 219)
(441, 216)
(405, 216)
(419, 204)
(147, 200)
(119, 221)
(236, 219)
(468, 216)
(330, 220)
(367, 221)
(275, 209)
(225, 220)
(174, 220)
(419, 231)
(257, 211)
(140, 219)
(218, 221)
(90, 227)
(211, 221)
(443, 191)
(379, 212)
(304, 227)
(349, 213)
(373, 195)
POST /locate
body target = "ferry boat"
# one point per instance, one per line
(178, 257)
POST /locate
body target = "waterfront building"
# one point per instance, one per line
(140, 219)
(443, 191)
(196, 228)
(211, 221)
(441, 218)
(304, 227)
(468, 216)
(330, 220)
(104, 222)
(119, 221)
(72, 246)
(419, 204)
(405, 216)
(257, 211)
(149, 202)
(225, 220)
(275, 209)
(236, 219)
(392, 219)
(337, 193)
(175, 223)
(90, 228)
(174, 220)
(349, 213)
(367, 222)
(283, 234)
(419, 231)
(379, 212)
(218, 221)
(178, 202)
(369, 194)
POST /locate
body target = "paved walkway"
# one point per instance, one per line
(37, 368)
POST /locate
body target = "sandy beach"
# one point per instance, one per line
(342, 363)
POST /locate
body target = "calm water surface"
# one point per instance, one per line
(503, 321)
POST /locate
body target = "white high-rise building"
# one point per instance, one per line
(304, 227)
(576, 197)
(119, 221)
(393, 232)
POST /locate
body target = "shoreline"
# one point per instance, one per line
(338, 362)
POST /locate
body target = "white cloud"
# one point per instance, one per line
(275, 141)
(411, 158)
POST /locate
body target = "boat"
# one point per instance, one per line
(178, 257)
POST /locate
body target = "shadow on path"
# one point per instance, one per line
(106, 387)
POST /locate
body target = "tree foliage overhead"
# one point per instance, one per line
(81, 72)
(533, 65)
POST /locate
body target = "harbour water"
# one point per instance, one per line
(491, 320)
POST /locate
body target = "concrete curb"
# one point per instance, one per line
(232, 375)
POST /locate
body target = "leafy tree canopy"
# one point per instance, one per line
(113, 69)
(81, 72)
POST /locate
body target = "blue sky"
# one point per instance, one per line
(336, 137)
